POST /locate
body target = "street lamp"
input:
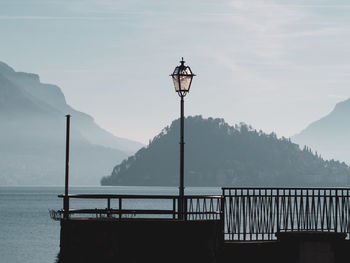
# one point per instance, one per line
(182, 78)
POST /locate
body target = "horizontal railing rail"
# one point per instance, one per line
(260, 213)
(197, 207)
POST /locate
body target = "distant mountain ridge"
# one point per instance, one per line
(217, 154)
(32, 135)
(330, 135)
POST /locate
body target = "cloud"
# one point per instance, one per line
(269, 32)
(58, 18)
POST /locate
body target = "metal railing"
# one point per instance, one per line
(246, 213)
(259, 213)
(138, 206)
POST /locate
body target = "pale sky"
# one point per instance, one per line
(277, 65)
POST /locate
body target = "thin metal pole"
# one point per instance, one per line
(66, 198)
(182, 146)
(120, 208)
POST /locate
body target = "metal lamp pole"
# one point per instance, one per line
(182, 163)
(182, 78)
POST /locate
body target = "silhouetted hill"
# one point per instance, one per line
(32, 135)
(329, 136)
(217, 154)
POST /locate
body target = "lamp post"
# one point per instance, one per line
(182, 78)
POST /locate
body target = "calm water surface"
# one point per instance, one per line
(28, 234)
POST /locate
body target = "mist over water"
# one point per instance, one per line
(28, 234)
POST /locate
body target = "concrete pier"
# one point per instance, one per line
(142, 240)
(313, 246)
(239, 226)
(132, 240)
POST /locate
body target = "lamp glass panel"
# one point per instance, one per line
(176, 82)
(183, 74)
(185, 82)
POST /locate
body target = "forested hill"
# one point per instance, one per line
(217, 154)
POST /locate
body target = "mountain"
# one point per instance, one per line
(329, 136)
(217, 154)
(32, 135)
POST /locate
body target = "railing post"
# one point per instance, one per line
(120, 207)
(244, 213)
(278, 211)
(336, 211)
(307, 207)
(109, 207)
(174, 208)
(222, 216)
(185, 208)
(222, 207)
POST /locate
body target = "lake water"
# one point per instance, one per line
(28, 234)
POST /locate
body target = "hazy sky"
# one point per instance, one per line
(277, 65)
